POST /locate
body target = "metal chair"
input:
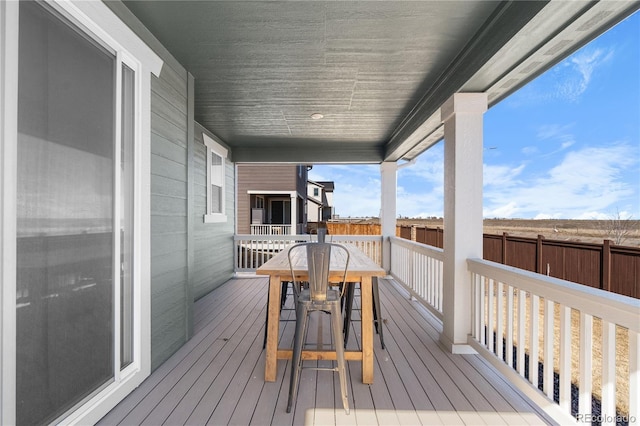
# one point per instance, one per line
(284, 292)
(319, 296)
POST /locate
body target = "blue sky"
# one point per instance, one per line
(566, 146)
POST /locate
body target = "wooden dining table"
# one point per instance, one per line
(361, 269)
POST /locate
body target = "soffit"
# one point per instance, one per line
(377, 71)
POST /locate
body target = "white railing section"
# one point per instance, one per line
(371, 245)
(251, 251)
(418, 267)
(271, 229)
(536, 327)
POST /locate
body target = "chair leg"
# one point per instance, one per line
(348, 301)
(283, 294)
(377, 312)
(339, 344)
(296, 361)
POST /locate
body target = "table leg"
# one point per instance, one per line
(367, 330)
(271, 351)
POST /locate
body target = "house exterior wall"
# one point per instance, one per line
(184, 264)
(313, 207)
(261, 177)
(212, 242)
(168, 212)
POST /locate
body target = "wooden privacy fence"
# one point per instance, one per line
(604, 266)
(345, 228)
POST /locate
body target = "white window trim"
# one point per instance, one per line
(215, 147)
(97, 20)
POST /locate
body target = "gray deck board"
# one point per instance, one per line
(217, 377)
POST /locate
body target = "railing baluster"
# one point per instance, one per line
(490, 315)
(534, 331)
(500, 321)
(586, 361)
(549, 315)
(510, 326)
(482, 314)
(521, 331)
(565, 358)
(634, 375)
(475, 282)
(608, 400)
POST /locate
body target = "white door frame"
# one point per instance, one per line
(99, 22)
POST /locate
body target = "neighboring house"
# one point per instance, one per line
(319, 201)
(272, 199)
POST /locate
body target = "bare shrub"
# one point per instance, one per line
(617, 228)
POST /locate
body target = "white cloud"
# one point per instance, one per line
(567, 81)
(556, 134)
(575, 82)
(357, 188)
(585, 180)
(501, 175)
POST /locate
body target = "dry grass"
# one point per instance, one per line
(622, 349)
(587, 231)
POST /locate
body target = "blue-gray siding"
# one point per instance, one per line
(213, 242)
(188, 257)
(169, 182)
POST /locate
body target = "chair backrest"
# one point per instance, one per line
(318, 265)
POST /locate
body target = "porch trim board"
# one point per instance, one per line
(8, 178)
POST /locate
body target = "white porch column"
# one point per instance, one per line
(462, 117)
(294, 213)
(388, 172)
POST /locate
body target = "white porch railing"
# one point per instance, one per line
(371, 245)
(418, 267)
(589, 337)
(251, 251)
(271, 229)
(522, 320)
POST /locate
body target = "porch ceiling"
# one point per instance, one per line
(378, 71)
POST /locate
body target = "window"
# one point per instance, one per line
(216, 160)
(259, 202)
(316, 192)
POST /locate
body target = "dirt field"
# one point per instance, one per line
(588, 231)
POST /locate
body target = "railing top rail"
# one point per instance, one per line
(355, 237)
(612, 307)
(283, 237)
(435, 252)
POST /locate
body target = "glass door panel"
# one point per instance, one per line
(65, 216)
(126, 216)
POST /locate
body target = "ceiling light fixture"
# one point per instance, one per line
(317, 116)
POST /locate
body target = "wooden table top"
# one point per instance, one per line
(359, 263)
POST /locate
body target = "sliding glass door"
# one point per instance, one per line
(75, 176)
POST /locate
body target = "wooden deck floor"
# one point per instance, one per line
(218, 376)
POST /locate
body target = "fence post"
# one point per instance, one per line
(605, 282)
(539, 254)
(504, 248)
